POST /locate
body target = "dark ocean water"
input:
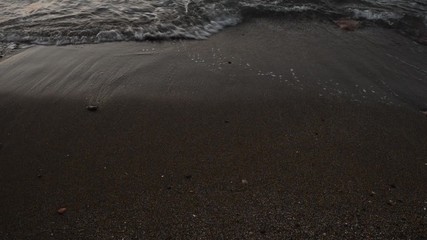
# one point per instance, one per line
(91, 21)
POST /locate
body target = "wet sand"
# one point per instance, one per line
(275, 130)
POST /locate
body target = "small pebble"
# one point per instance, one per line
(62, 211)
(372, 193)
(244, 181)
(391, 203)
(392, 185)
(92, 108)
(188, 176)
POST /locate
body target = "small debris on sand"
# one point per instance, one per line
(62, 211)
(348, 24)
(244, 181)
(372, 194)
(392, 185)
(391, 202)
(188, 176)
(92, 108)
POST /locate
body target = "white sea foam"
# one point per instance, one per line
(376, 15)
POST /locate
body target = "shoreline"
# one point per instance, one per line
(6, 51)
(265, 130)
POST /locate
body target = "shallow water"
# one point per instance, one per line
(90, 21)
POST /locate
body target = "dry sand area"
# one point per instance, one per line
(268, 130)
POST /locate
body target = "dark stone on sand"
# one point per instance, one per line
(61, 211)
(92, 108)
(39, 176)
(348, 24)
(226, 121)
(188, 176)
(229, 62)
(169, 188)
(391, 202)
(392, 185)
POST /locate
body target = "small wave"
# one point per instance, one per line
(109, 36)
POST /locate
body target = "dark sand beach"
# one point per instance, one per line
(269, 130)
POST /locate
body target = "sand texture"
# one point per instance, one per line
(268, 130)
